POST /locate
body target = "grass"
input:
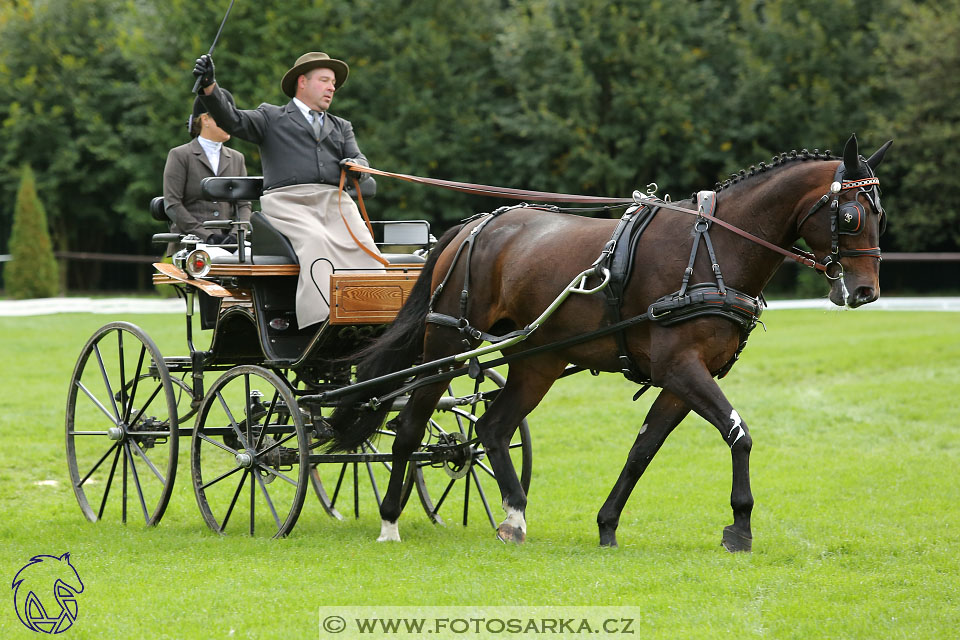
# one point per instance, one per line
(854, 471)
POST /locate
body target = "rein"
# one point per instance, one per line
(797, 255)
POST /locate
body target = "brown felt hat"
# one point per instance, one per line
(313, 60)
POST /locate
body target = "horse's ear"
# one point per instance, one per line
(851, 159)
(66, 557)
(877, 156)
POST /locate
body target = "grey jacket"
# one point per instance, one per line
(186, 166)
(289, 151)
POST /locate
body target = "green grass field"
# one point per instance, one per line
(854, 417)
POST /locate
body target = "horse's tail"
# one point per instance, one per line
(398, 348)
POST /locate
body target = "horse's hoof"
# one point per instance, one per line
(608, 539)
(509, 533)
(736, 542)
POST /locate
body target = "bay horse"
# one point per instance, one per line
(522, 259)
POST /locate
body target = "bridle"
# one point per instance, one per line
(848, 218)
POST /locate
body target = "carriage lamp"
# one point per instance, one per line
(198, 263)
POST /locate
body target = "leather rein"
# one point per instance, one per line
(800, 256)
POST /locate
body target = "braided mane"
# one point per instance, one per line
(777, 161)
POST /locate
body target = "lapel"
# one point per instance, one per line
(294, 114)
(201, 156)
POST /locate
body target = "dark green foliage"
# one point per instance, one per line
(584, 96)
(33, 271)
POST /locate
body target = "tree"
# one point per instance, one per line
(32, 273)
(65, 91)
(922, 60)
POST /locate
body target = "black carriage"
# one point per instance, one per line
(257, 431)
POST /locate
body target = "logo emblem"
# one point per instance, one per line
(45, 593)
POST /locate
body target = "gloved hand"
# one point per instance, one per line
(223, 237)
(351, 174)
(203, 70)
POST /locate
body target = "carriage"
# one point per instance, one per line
(666, 295)
(251, 403)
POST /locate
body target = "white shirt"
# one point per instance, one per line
(305, 110)
(212, 151)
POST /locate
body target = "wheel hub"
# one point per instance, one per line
(115, 433)
(245, 459)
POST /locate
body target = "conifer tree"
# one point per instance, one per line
(32, 272)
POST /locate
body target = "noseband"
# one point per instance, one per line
(848, 218)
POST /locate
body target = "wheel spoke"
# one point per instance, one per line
(487, 469)
(233, 422)
(106, 491)
(483, 497)
(105, 411)
(99, 462)
(273, 471)
(373, 481)
(222, 476)
(266, 496)
(336, 491)
(266, 420)
(128, 405)
(106, 382)
(136, 483)
(205, 438)
(236, 494)
(123, 375)
(293, 434)
(247, 409)
(436, 508)
(143, 455)
(136, 418)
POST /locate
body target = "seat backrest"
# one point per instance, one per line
(232, 189)
(158, 210)
(265, 240)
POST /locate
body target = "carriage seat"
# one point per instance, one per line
(269, 246)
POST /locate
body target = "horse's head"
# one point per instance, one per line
(843, 228)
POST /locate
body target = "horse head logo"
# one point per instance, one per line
(45, 593)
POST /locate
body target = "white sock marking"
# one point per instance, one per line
(735, 418)
(515, 518)
(389, 532)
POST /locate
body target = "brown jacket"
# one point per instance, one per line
(186, 166)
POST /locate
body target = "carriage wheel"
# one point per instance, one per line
(121, 426)
(248, 454)
(467, 485)
(339, 485)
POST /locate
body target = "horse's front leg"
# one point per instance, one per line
(665, 414)
(527, 383)
(409, 426)
(692, 381)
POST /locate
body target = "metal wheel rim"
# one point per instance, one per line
(129, 453)
(253, 480)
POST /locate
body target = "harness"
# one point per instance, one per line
(615, 264)
(848, 218)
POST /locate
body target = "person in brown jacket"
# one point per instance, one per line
(187, 165)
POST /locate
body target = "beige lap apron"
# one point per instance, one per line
(309, 216)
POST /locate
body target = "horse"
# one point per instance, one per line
(47, 574)
(520, 259)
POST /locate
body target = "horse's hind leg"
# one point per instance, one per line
(665, 414)
(409, 426)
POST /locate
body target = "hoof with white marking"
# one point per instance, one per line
(389, 532)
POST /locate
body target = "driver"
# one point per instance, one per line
(302, 147)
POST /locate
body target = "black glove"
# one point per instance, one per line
(223, 237)
(204, 71)
(357, 175)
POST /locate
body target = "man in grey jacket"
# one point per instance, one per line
(303, 148)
